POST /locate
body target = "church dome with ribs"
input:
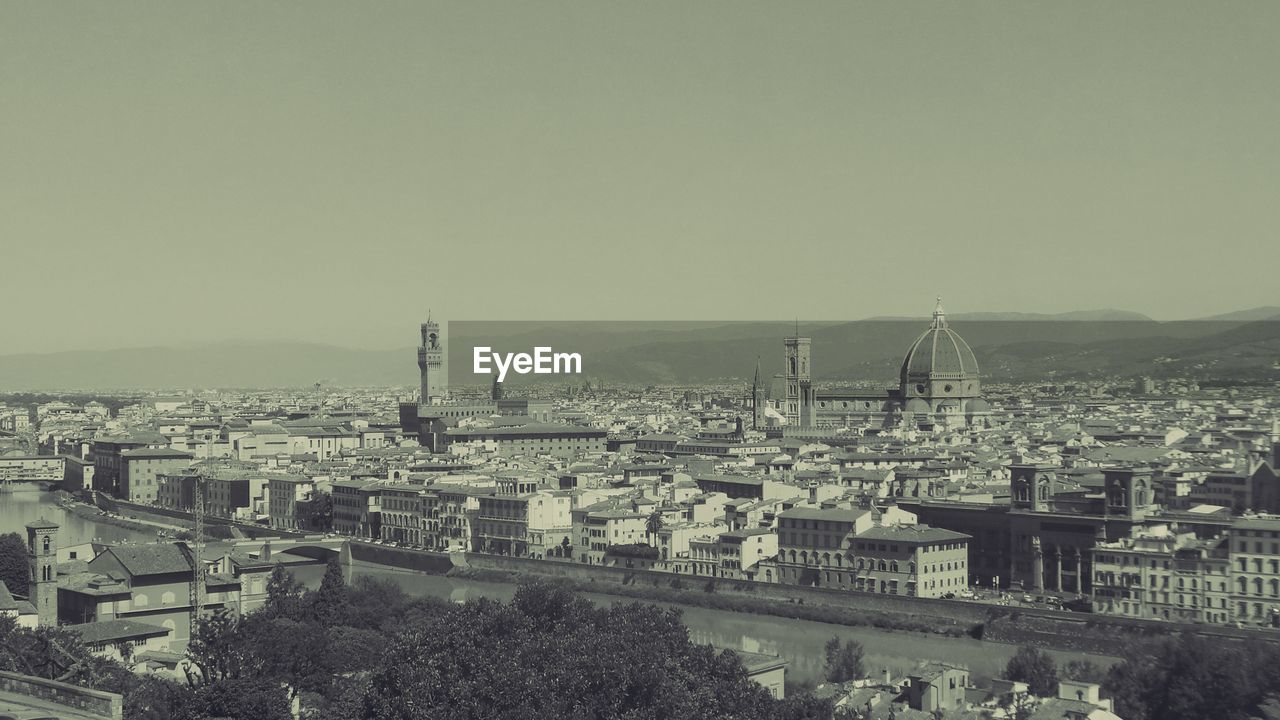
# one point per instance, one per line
(939, 354)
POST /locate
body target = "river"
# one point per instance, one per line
(799, 641)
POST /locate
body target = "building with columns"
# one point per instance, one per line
(1043, 540)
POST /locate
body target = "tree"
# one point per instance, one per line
(295, 654)
(246, 698)
(155, 698)
(219, 651)
(14, 572)
(317, 514)
(284, 594)
(1035, 668)
(53, 653)
(653, 524)
(329, 602)
(550, 654)
(1018, 706)
(1083, 670)
(843, 660)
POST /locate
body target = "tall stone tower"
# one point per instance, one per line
(1275, 445)
(434, 385)
(42, 559)
(798, 406)
(757, 399)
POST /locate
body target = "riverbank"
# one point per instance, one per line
(710, 594)
(1054, 630)
(90, 512)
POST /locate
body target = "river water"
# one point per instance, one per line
(799, 641)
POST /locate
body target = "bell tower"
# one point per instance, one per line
(1129, 492)
(1033, 487)
(798, 405)
(433, 384)
(42, 561)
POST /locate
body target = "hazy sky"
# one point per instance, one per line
(177, 172)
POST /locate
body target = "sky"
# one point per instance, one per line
(175, 173)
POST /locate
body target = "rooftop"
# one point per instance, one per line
(912, 534)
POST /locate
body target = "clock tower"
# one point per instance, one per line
(431, 365)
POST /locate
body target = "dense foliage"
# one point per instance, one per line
(367, 651)
(549, 653)
(843, 661)
(1036, 668)
(13, 563)
(1192, 677)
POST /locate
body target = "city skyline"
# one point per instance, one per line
(543, 162)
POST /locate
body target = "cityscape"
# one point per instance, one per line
(1047, 518)
(640, 361)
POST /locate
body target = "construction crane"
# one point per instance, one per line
(199, 573)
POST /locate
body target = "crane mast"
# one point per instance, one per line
(199, 572)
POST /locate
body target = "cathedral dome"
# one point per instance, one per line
(939, 354)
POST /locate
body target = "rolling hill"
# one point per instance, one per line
(1009, 347)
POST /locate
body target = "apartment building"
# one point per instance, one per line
(1162, 574)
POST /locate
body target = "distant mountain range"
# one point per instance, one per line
(1243, 345)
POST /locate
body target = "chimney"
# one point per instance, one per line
(265, 555)
(813, 491)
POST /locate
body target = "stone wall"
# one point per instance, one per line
(108, 706)
(409, 559)
(212, 524)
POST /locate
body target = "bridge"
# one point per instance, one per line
(315, 547)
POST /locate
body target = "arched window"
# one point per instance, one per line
(1257, 586)
(893, 566)
(881, 565)
(46, 543)
(911, 568)
(826, 558)
(804, 557)
(839, 560)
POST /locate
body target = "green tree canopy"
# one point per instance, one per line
(551, 654)
(14, 572)
(843, 661)
(1036, 668)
